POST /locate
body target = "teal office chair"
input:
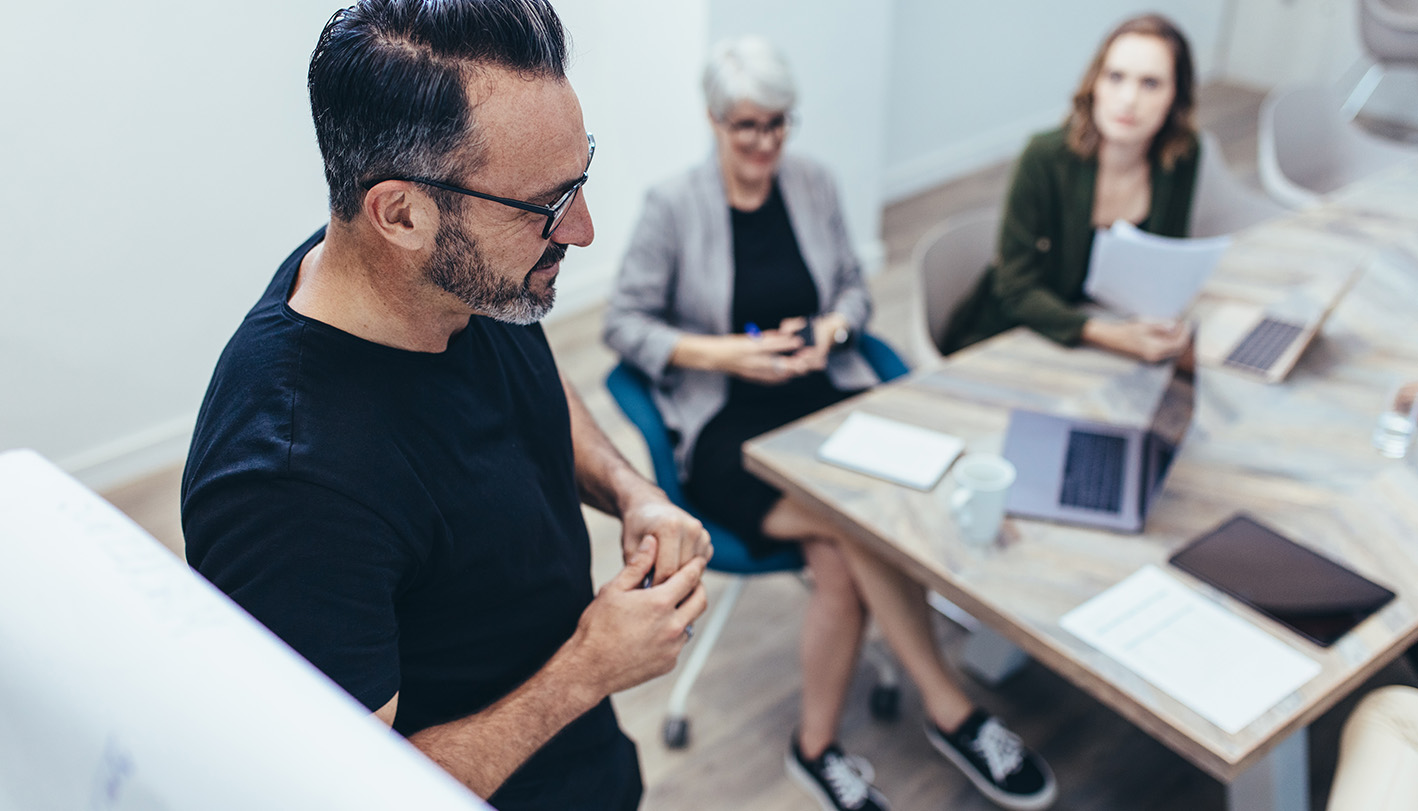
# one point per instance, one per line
(631, 391)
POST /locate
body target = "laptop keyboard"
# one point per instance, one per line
(1266, 343)
(1093, 472)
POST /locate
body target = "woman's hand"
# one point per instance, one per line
(824, 327)
(1150, 341)
(769, 358)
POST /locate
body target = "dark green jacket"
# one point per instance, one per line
(1041, 259)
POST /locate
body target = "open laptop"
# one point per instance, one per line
(1267, 340)
(1093, 473)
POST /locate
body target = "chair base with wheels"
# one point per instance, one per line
(631, 391)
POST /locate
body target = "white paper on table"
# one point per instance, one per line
(1139, 274)
(896, 451)
(1218, 664)
(129, 682)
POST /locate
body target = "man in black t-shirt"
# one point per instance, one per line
(387, 468)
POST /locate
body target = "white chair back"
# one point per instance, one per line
(1389, 29)
(949, 261)
(1221, 203)
(1308, 149)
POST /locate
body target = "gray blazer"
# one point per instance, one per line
(678, 275)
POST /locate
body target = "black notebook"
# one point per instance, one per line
(1319, 599)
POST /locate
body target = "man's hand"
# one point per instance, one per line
(679, 537)
(628, 634)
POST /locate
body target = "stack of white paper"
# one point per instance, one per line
(1135, 273)
(895, 451)
(1226, 669)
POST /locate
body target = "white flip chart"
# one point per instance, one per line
(129, 682)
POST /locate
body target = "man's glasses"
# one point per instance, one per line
(554, 213)
(748, 130)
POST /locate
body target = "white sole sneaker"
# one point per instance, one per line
(800, 776)
(992, 792)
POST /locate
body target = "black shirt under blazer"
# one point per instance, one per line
(677, 277)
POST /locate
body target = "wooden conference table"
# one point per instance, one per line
(1296, 455)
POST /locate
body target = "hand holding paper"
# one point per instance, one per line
(1135, 273)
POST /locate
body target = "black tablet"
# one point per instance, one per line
(1316, 597)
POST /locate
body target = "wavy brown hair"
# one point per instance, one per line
(1177, 136)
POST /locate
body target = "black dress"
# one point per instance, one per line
(771, 283)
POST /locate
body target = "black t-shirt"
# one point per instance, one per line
(406, 521)
(771, 282)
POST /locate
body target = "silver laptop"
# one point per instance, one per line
(1094, 473)
(1267, 340)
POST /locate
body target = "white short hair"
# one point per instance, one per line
(747, 69)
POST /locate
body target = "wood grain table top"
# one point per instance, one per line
(1295, 455)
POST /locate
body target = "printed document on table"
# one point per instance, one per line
(1215, 662)
(1135, 273)
(896, 451)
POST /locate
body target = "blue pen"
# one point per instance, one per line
(752, 330)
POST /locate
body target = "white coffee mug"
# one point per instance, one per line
(982, 480)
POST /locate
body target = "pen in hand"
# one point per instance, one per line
(647, 582)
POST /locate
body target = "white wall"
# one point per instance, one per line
(1277, 42)
(635, 65)
(162, 163)
(839, 51)
(159, 163)
(970, 81)
(1282, 41)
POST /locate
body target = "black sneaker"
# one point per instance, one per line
(997, 763)
(839, 782)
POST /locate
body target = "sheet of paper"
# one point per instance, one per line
(1135, 273)
(1218, 664)
(896, 451)
(129, 682)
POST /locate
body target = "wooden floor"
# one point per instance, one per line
(745, 705)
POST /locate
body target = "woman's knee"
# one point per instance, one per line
(830, 571)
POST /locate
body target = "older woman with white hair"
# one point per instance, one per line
(739, 297)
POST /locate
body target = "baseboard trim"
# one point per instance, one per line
(953, 161)
(133, 456)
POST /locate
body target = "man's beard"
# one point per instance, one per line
(459, 268)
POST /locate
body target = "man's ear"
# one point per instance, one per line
(401, 214)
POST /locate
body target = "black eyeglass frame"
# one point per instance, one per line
(554, 212)
(786, 122)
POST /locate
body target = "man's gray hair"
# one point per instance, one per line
(748, 69)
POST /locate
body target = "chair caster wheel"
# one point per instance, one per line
(885, 702)
(676, 733)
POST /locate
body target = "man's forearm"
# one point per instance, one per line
(606, 480)
(484, 749)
